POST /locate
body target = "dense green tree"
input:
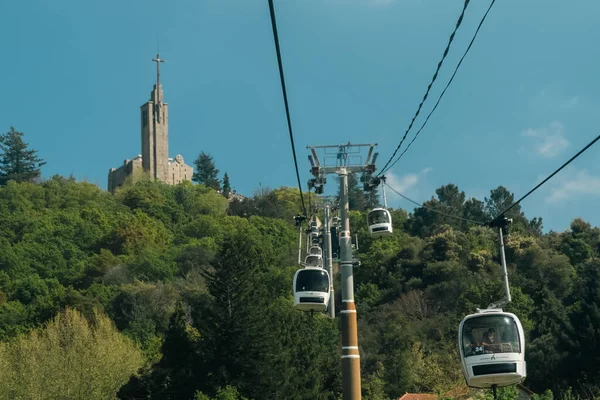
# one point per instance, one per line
(206, 172)
(372, 199)
(440, 211)
(174, 375)
(17, 161)
(474, 210)
(585, 319)
(356, 196)
(232, 320)
(500, 199)
(70, 358)
(226, 186)
(137, 253)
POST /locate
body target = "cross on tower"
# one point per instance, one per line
(158, 61)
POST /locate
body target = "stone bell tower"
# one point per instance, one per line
(155, 132)
(154, 162)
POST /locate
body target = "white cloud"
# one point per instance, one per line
(549, 141)
(405, 184)
(572, 185)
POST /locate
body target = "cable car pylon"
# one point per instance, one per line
(491, 342)
(351, 385)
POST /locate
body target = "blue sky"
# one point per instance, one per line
(75, 73)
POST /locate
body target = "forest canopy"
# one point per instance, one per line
(198, 290)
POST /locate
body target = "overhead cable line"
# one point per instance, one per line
(443, 92)
(287, 109)
(435, 75)
(546, 180)
(433, 209)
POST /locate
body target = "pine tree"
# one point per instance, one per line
(17, 162)
(226, 185)
(234, 321)
(206, 172)
(372, 199)
(176, 373)
(356, 197)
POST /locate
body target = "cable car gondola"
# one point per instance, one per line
(314, 260)
(314, 237)
(380, 219)
(491, 342)
(492, 349)
(311, 289)
(316, 250)
(314, 227)
(380, 222)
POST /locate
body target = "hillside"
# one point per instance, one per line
(202, 288)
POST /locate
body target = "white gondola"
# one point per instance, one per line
(314, 260)
(314, 238)
(314, 228)
(380, 219)
(380, 222)
(311, 289)
(491, 342)
(316, 250)
(492, 349)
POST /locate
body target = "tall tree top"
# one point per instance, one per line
(17, 161)
(226, 185)
(206, 172)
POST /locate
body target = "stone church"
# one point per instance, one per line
(154, 162)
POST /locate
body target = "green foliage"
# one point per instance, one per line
(547, 395)
(505, 393)
(283, 203)
(206, 172)
(226, 185)
(17, 162)
(203, 288)
(70, 358)
(226, 393)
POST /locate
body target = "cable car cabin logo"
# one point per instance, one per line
(492, 349)
(311, 289)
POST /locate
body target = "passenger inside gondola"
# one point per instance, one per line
(379, 218)
(489, 337)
